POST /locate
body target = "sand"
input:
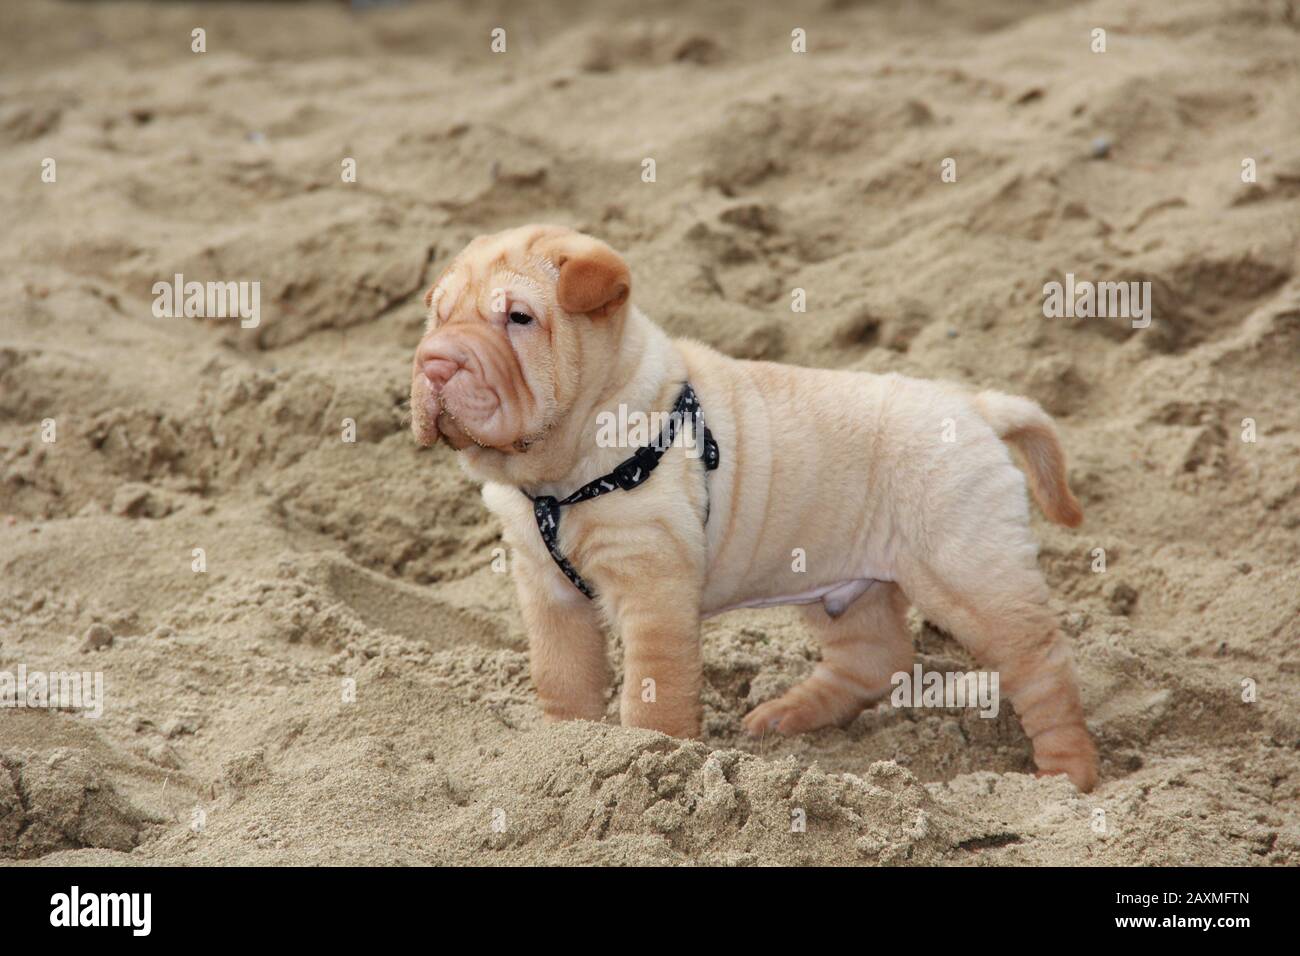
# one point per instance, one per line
(347, 682)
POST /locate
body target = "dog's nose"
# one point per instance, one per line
(438, 371)
(438, 358)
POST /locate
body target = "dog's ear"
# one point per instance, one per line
(594, 279)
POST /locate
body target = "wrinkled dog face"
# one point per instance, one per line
(500, 360)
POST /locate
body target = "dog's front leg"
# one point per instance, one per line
(566, 644)
(661, 670)
(659, 618)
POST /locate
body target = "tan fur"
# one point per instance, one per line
(1026, 427)
(897, 480)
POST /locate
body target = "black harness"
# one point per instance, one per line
(628, 475)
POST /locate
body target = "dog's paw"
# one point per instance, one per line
(680, 719)
(1067, 750)
(795, 712)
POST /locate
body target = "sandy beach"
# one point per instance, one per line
(308, 654)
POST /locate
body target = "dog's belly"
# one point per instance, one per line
(837, 597)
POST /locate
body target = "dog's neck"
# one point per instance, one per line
(645, 376)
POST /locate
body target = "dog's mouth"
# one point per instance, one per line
(463, 411)
(470, 411)
(457, 435)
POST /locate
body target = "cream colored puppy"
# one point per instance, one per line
(897, 490)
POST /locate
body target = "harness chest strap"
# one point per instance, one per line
(630, 473)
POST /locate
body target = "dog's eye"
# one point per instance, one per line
(520, 318)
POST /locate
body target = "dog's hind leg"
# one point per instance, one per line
(996, 606)
(862, 648)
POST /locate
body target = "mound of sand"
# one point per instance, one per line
(345, 680)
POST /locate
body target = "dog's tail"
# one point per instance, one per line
(1023, 425)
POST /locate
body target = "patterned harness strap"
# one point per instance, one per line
(632, 472)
